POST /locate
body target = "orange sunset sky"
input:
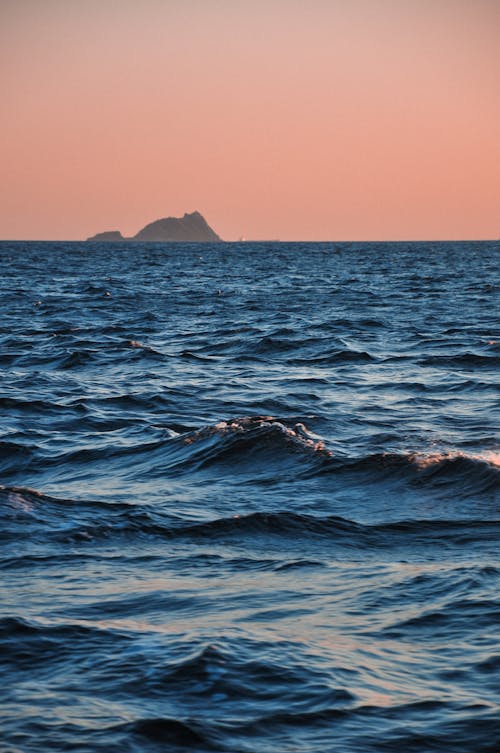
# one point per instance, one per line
(312, 120)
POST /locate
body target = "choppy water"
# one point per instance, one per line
(249, 498)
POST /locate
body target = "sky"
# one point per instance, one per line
(286, 119)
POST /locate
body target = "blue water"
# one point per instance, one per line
(249, 497)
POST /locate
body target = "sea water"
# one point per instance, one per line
(249, 497)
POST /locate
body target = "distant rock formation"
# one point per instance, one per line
(108, 236)
(191, 228)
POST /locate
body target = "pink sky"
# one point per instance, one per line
(298, 120)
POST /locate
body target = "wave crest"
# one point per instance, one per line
(259, 427)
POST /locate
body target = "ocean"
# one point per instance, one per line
(249, 497)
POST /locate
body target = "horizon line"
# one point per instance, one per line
(249, 241)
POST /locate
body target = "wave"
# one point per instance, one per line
(427, 726)
(28, 513)
(256, 443)
(259, 442)
(29, 644)
(259, 449)
(338, 357)
(281, 344)
(185, 735)
(464, 360)
(459, 616)
(474, 472)
(340, 530)
(469, 473)
(253, 431)
(21, 628)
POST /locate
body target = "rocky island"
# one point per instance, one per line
(108, 236)
(192, 228)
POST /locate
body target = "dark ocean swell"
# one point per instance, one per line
(265, 441)
(249, 498)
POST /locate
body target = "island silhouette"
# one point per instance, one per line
(191, 228)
